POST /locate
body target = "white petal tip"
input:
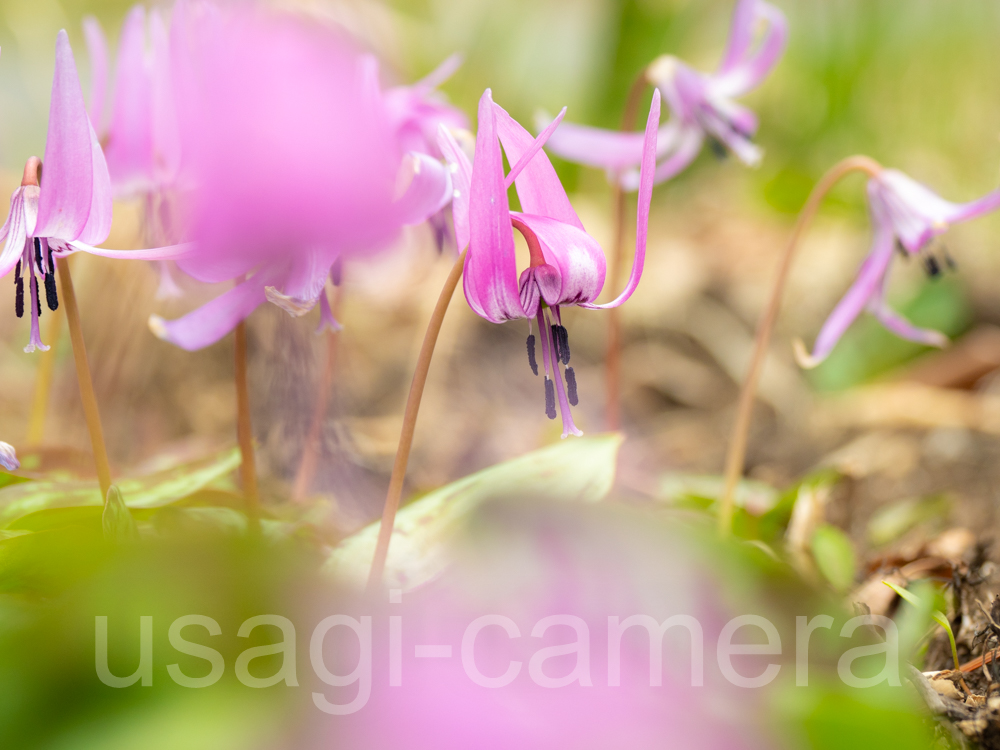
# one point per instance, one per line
(661, 70)
(158, 326)
(294, 307)
(8, 457)
(802, 356)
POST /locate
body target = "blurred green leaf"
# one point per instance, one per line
(118, 524)
(702, 492)
(834, 556)
(154, 490)
(892, 521)
(580, 470)
(937, 615)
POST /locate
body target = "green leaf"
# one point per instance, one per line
(119, 526)
(151, 491)
(937, 615)
(892, 521)
(580, 470)
(703, 491)
(834, 556)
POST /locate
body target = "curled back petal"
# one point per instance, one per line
(215, 319)
(66, 200)
(644, 199)
(689, 145)
(538, 185)
(745, 71)
(98, 225)
(490, 276)
(536, 145)
(170, 252)
(866, 287)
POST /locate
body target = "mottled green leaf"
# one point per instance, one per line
(834, 556)
(580, 470)
(151, 491)
(118, 524)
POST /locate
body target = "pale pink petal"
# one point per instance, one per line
(97, 50)
(490, 278)
(688, 147)
(428, 191)
(66, 200)
(461, 179)
(538, 185)
(178, 253)
(129, 146)
(440, 74)
(644, 199)
(865, 288)
(747, 72)
(166, 143)
(215, 319)
(98, 225)
(741, 34)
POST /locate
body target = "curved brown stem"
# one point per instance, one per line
(87, 396)
(410, 422)
(310, 451)
(244, 429)
(613, 356)
(736, 453)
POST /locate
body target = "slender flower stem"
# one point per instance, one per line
(613, 357)
(43, 379)
(244, 430)
(310, 452)
(736, 454)
(410, 422)
(87, 396)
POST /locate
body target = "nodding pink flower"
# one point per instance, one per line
(701, 105)
(906, 217)
(567, 265)
(73, 208)
(142, 142)
(293, 161)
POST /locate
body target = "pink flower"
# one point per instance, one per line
(142, 143)
(701, 105)
(906, 217)
(293, 160)
(567, 265)
(417, 111)
(71, 211)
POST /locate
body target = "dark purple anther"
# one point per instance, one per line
(531, 354)
(550, 399)
(51, 297)
(571, 387)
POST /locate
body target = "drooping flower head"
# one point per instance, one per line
(70, 209)
(701, 105)
(906, 216)
(567, 265)
(293, 160)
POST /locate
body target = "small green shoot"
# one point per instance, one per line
(937, 615)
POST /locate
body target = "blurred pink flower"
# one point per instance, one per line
(8, 457)
(71, 211)
(701, 105)
(141, 143)
(906, 217)
(293, 161)
(417, 111)
(525, 617)
(567, 265)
